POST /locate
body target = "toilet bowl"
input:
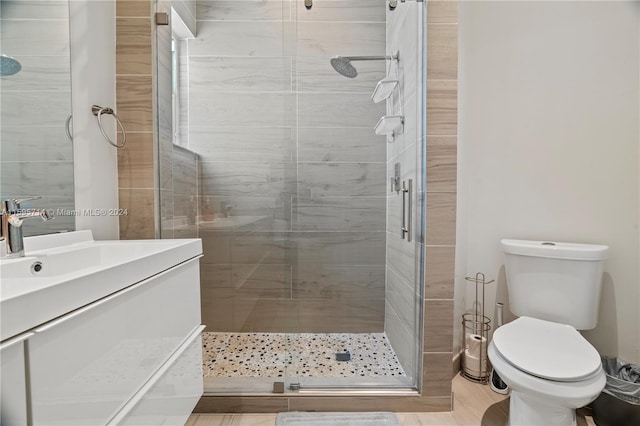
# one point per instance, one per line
(550, 368)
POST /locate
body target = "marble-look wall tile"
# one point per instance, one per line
(339, 214)
(245, 10)
(26, 108)
(224, 38)
(338, 282)
(339, 248)
(243, 144)
(341, 179)
(47, 37)
(40, 73)
(327, 39)
(239, 74)
(267, 109)
(340, 144)
(338, 10)
(245, 179)
(34, 9)
(338, 110)
(315, 74)
(20, 143)
(27, 178)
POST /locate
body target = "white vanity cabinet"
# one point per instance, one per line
(86, 366)
(13, 392)
(130, 356)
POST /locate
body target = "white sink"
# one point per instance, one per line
(63, 272)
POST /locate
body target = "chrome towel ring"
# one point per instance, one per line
(98, 111)
(67, 127)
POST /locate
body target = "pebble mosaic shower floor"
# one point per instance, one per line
(299, 355)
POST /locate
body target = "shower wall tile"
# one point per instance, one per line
(167, 224)
(439, 272)
(442, 45)
(442, 12)
(135, 161)
(315, 74)
(245, 179)
(339, 10)
(442, 107)
(187, 11)
(60, 208)
(42, 37)
(28, 9)
(436, 374)
(341, 179)
(339, 248)
(133, 55)
(135, 108)
(26, 108)
(239, 74)
(133, 8)
(139, 222)
(402, 339)
(28, 178)
(403, 298)
(240, 144)
(339, 214)
(438, 330)
(270, 213)
(442, 163)
(217, 308)
(263, 315)
(165, 161)
(245, 10)
(40, 73)
(332, 110)
(401, 256)
(328, 39)
(340, 144)
(338, 282)
(223, 38)
(355, 316)
(185, 169)
(441, 218)
(267, 109)
(19, 143)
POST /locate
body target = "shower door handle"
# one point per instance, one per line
(407, 195)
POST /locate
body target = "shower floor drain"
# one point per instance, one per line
(343, 356)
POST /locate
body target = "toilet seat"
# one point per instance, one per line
(547, 350)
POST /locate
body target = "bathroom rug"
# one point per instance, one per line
(303, 418)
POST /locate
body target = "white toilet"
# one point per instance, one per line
(551, 369)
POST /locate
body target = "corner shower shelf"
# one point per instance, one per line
(389, 124)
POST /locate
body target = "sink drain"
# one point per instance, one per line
(36, 267)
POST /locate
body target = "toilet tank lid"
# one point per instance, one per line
(555, 250)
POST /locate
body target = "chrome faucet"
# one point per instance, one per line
(11, 230)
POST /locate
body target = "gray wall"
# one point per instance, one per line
(288, 144)
(36, 156)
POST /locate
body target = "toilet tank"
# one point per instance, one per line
(554, 281)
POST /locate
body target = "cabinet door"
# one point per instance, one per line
(88, 364)
(169, 398)
(13, 390)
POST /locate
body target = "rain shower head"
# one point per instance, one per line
(342, 64)
(9, 66)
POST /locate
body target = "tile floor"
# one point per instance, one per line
(474, 404)
(298, 355)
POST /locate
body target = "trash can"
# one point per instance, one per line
(619, 402)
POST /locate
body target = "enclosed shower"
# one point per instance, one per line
(310, 213)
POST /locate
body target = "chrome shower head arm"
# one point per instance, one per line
(372, 58)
